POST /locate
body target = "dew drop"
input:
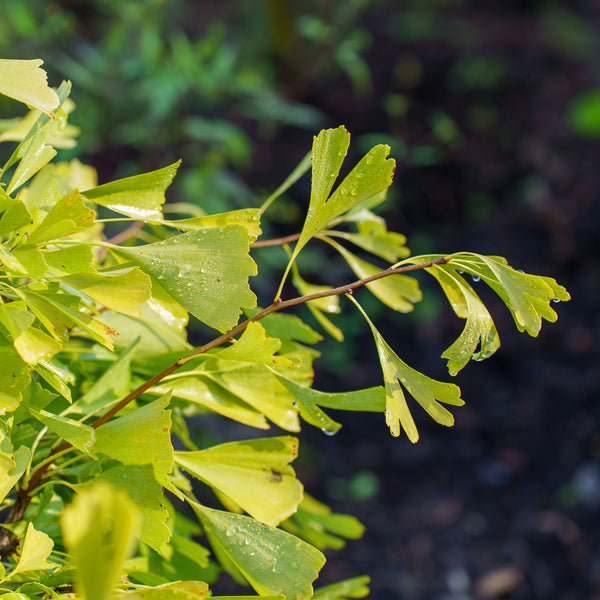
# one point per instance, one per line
(475, 278)
(461, 272)
(203, 270)
(555, 300)
(328, 432)
(452, 374)
(230, 531)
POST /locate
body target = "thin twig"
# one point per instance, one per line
(24, 495)
(120, 238)
(276, 241)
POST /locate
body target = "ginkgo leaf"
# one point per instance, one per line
(69, 215)
(14, 378)
(32, 344)
(141, 437)
(356, 587)
(399, 292)
(207, 395)
(46, 130)
(58, 313)
(147, 496)
(77, 258)
(309, 400)
(374, 237)
(428, 392)
(254, 473)
(38, 154)
(176, 590)
(315, 523)
(24, 81)
(14, 217)
(254, 347)
(527, 296)
(78, 434)
(57, 376)
(121, 290)
(37, 547)
(261, 389)
(99, 530)
(206, 271)
(139, 197)
(21, 458)
(479, 330)
(372, 175)
(273, 561)
(248, 217)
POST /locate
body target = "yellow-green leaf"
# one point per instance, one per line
(24, 81)
(273, 561)
(14, 378)
(147, 496)
(206, 271)
(139, 197)
(356, 587)
(37, 547)
(254, 473)
(399, 292)
(248, 217)
(120, 290)
(141, 437)
(99, 530)
(69, 215)
(428, 392)
(371, 176)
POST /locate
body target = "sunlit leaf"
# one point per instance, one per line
(123, 290)
(356, 587)
(248, 217)
(21, 459)
(206, 271)
(14, 377)
(310, 400)
(428, 392)
(208, 395)
(141, 437)
(99, 530)
(72, 259)
(59, 313)
(176, 590)
(527, 296)
(147, 496)
(479, 330)
(77, 434)
(399, 292)
(254, 347)
(139, 197)
(374, 237)
(14, 217)
(24, 81)
(254, 473)
(37, 547)
(273, 561)
(318, 525)
(69, 215)
(261, 389)
(372, 175)
(38, 154)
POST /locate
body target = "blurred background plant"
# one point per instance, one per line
(492, 111)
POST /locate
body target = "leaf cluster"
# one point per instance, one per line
(98, 465)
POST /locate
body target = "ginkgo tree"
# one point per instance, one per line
(98, 380)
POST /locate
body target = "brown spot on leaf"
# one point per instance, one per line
(275, 476)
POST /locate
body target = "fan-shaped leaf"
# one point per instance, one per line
(99, 530)
(206, 271)
(254, 473)
(24, 81)
(273, 561)
(139, 197)
(428, 392)
(37, 547)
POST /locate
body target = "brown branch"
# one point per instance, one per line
(276, 241)
(23, 497)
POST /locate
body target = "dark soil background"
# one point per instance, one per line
(473, 97)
